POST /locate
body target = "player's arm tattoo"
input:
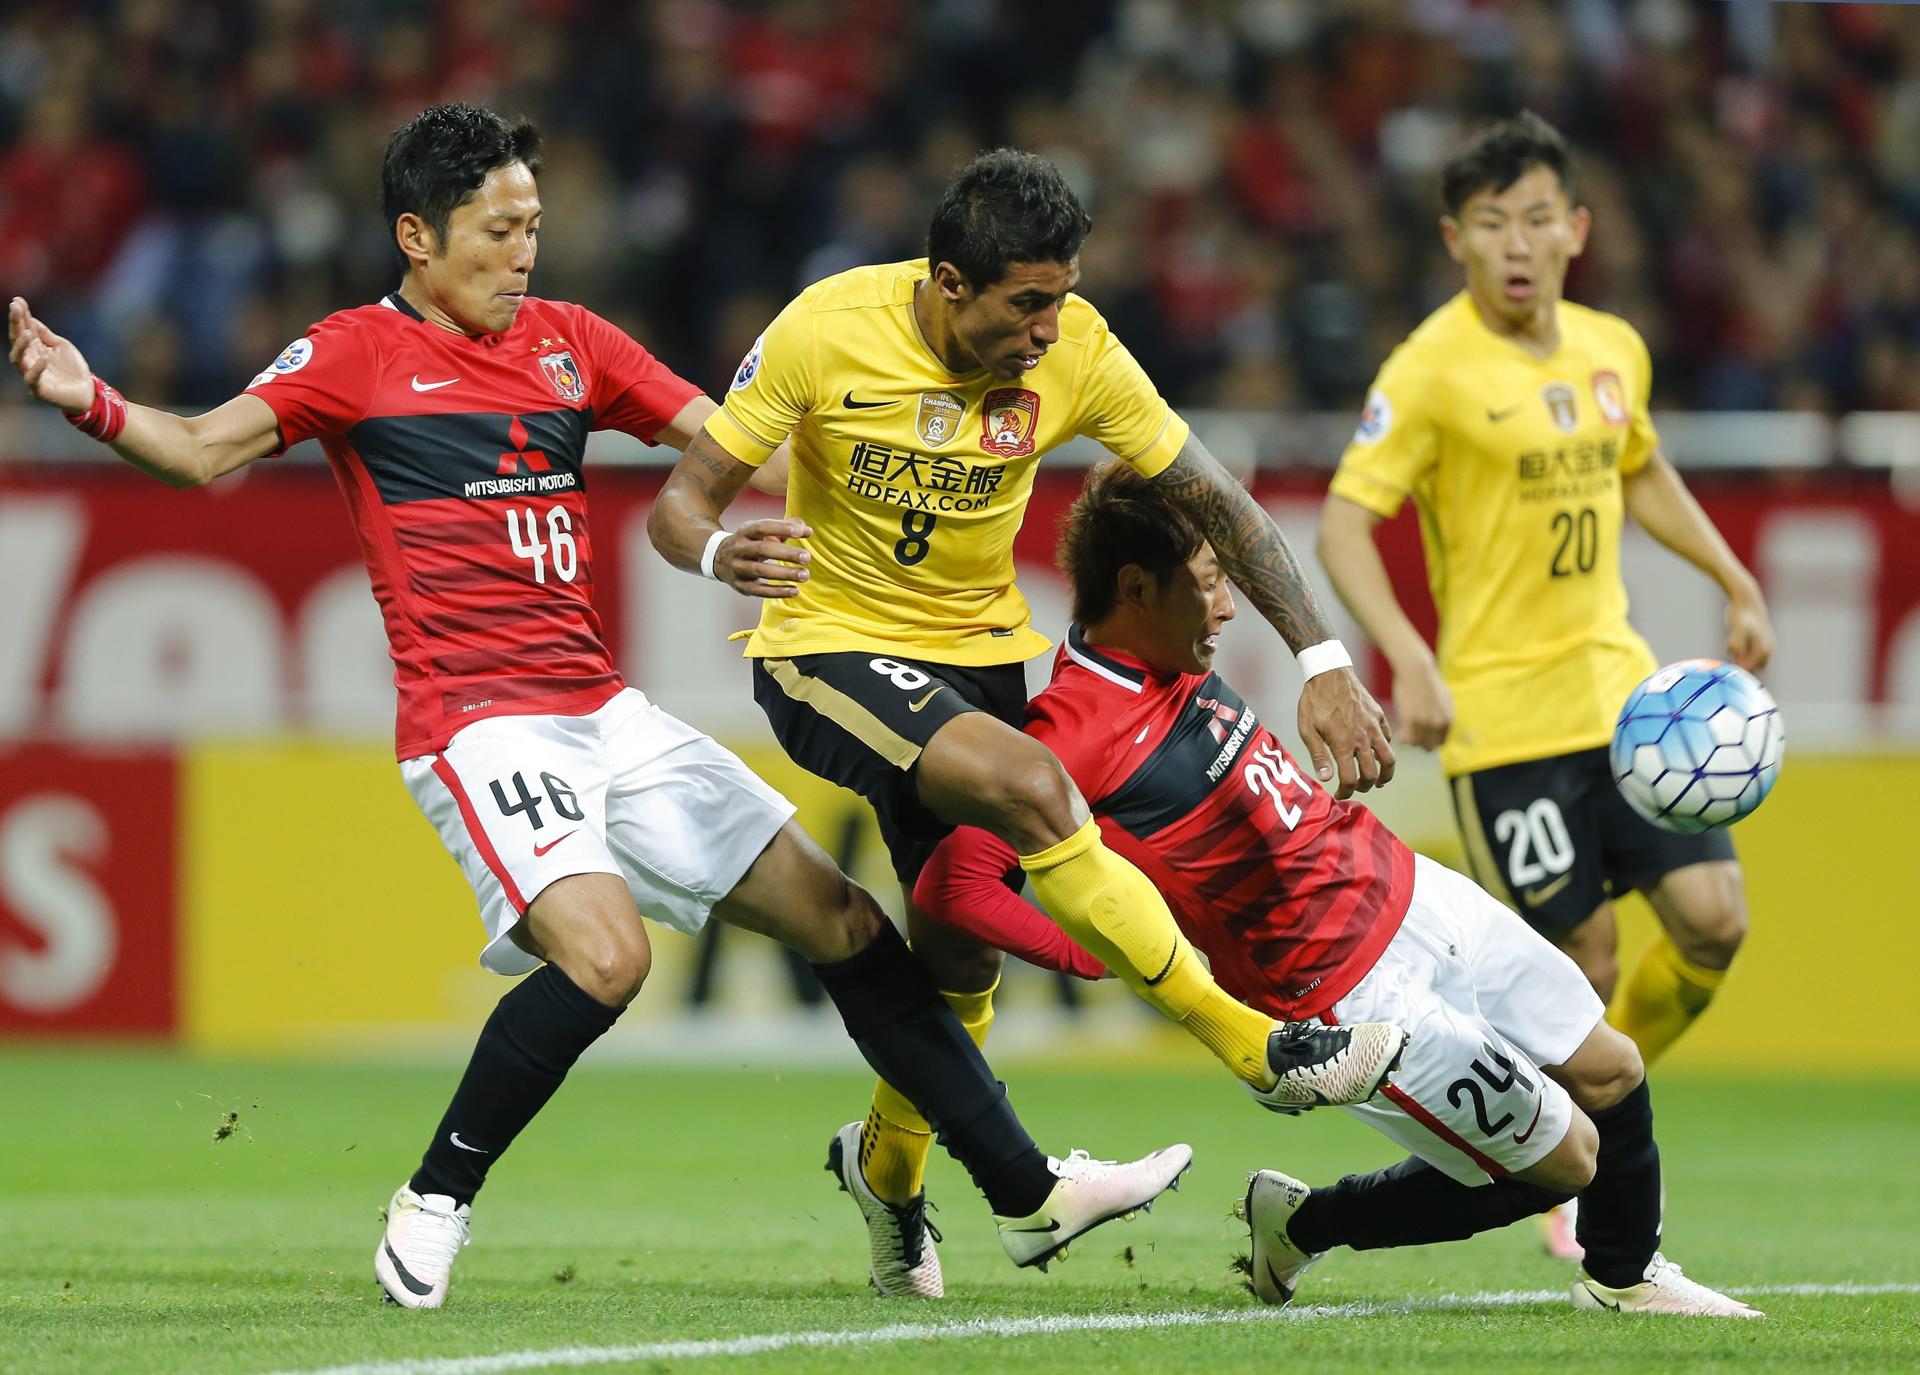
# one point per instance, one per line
(698, 490)
(1251, 548)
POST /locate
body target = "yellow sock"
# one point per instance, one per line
(1662, 997)
(1112, 909)
(895, 1143)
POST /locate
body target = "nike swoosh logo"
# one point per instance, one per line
(1053, 1226)
(1274, 1279)
(853, 405)
(1536, 896)
(418, 385)
(540, 850)
(1495, 417)
(413, 1285)
(1521, 1139)
(915, 706)
(455, 1138)
(1601, 1299)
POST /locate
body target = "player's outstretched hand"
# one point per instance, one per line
(1422, 705)
(1345, 732)
(52, 367)
(1749, 632)
(760, 559)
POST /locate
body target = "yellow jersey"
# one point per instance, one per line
(1514, 464)
(913, 480)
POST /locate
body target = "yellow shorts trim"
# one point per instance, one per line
(844, 712)
(1480, 857)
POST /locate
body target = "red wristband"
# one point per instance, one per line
(105, 418)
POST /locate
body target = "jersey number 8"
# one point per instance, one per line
(917, 528)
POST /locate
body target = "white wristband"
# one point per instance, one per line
(1324, 657)
(713, 547)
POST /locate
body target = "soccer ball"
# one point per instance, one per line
(1697, 745)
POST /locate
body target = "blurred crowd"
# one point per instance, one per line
(186, 184)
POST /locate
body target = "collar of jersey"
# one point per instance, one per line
(1479, 322)
(393, 300)
(1123, 669)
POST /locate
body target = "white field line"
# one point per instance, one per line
(570, 1357)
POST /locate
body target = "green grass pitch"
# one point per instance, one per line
(652, 1207)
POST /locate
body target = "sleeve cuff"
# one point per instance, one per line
(1158, 456)
(749, 448)
(1361, 490)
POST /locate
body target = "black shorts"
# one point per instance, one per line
(861, 720)
(1553, 839)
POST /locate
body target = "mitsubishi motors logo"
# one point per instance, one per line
(536, 459)
(1222, 717)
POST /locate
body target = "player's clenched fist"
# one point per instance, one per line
(1422, 705)
(51, 366)
(1749, 631)
(760, 559)
(1345, 733)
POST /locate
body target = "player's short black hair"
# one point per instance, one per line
(437, 160)
(1120, 518)
(1006, 207)
(1500, 155)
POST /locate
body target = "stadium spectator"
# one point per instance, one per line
(1760, 164)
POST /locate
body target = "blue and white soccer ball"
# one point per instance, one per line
(1697, 745)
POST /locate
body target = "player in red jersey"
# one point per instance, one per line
(1512, 1093)
(454, 413)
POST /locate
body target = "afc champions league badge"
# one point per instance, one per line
(939, 418)
(1010, 418)
(564, 375)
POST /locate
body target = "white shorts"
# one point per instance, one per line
(521, 801)
(1485, 1001)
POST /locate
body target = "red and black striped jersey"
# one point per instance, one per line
(1291, 894)
(460, 457)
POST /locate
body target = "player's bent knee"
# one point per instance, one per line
(1604, 1070)
(610, 966)
(1569, 1167)
(1716, 936)
(1036, 801)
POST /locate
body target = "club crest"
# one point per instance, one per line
(1563, 404)
(564, 375)
(939, 418)
(1010, 419)
(1610, 395)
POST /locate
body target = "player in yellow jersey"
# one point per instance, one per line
(919, 398)
(1518, 423)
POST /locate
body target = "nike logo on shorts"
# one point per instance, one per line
(540, 850)
(914, 707)
(418, 385)
(1521, 1139)
(1536, 896)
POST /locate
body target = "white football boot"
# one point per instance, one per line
(1665, 1290)
(415, 1256)
(1089, 1193)
(902, 1260)
(1557, 1231)
(1275, 1265)
(1328, 1066)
